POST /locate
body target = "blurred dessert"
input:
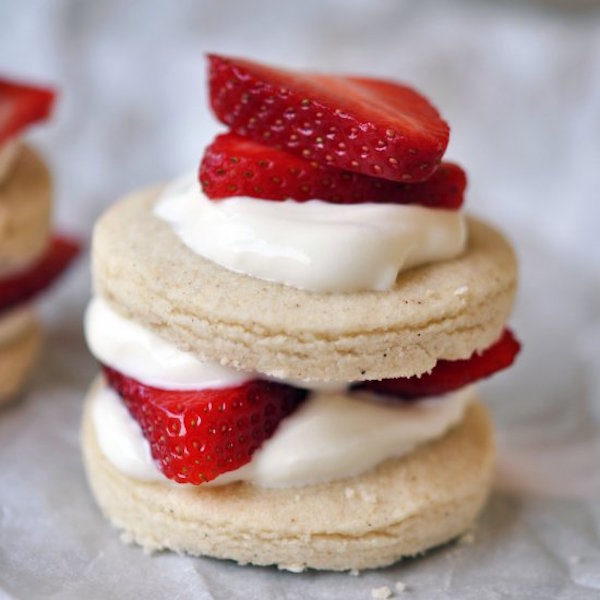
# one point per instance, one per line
(31, 256)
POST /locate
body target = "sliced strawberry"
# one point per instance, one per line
(197, 435)
(21, 105)
(449, 375)
(236, 166)
(23, 285)
(369, 126)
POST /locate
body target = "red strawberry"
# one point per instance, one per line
(369, 126)
(23, 285)
(21, 105)
(235, 166)
(197, 435)
(449, 375)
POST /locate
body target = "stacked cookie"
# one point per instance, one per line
(31, 257)
(288, 344)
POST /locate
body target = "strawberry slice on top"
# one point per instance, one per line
(25, 284)
(196, 436)
(449, 375)
(21, 105)
(236, 166)
(369, 126)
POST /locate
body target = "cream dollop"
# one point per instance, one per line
(331, 436)
(120, 437)
(125, 345)
(313, 245)
(9, 150)
(137, 352)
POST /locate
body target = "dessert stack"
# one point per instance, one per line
(31, 256)
(289, 338)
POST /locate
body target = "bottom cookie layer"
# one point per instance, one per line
(17, 356)
(401, 508)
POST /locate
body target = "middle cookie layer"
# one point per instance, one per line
(446, 310)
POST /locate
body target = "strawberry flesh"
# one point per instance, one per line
(196, 436)
(236, 166)
(449, 375)
(26, 283)
(378, 128)
(21, 105)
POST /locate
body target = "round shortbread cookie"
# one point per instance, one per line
(17, 356)
(401, 508)
(25, 205)
(444, 310)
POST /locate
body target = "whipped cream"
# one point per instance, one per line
(120, 437)
(331, 436)
(313, 245)
(9, 150)
(141, 354)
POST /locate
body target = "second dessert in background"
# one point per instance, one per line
(288, 345)
(31, 255)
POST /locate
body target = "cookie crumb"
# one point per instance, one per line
(369, 497)
(293, 568)
(461, 291)
(280, 375)
(381, 593)
(401, 586)
(349, 493)
(354, 572)
(467, 539)
(126, 538)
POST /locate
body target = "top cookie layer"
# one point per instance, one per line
(445, 310)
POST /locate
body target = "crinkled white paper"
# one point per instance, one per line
(520, 85)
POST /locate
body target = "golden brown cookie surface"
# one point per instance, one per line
(19, 347)
(25, 206)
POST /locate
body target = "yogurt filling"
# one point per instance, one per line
(334, 434)
(313, 245)
(9, 151)
(141, 354)
(331, 436)
(136, 351)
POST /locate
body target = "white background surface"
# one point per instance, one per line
(519, 84)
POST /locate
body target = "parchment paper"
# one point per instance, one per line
(521, 88)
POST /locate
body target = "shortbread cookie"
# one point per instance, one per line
(18, 352)
(401, 508)
(445, 310)
(25, 198)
